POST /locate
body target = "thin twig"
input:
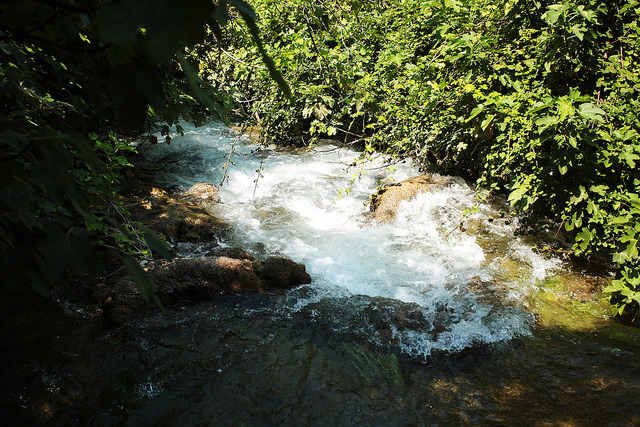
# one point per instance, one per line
(239, 60)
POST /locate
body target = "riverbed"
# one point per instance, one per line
(437, 317)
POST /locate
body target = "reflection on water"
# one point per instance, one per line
(402, 325)
(242, 361)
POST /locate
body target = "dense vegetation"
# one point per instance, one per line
(537, 99)
(77, 79)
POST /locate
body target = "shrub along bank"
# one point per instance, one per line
(532, 98)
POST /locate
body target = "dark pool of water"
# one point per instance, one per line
(246, 361)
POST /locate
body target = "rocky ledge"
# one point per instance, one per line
(187, 217)
(231, 270)
(177, 217)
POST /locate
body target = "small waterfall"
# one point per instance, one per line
(311, 206)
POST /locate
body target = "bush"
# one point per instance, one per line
(535, 99)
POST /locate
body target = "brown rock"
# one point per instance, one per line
(203, 194)
(491, 292)
(179, 218)
(276, 272)
(254, 133)
(387, 200)
(202, 278)
(121, 303)
(99, 292)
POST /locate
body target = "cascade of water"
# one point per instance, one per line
(312, 208)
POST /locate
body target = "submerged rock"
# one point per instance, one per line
(490, 292)
(386, 201)
(204, 277)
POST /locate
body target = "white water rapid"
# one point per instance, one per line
(460, 288)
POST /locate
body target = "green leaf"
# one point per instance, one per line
(156, 243)
(517, 194)
(631, 251)
(487, 121)
(6, 48)
(221, 13)
(195, 81)
(621, 220)
(166, 23)
(553, 13)
(587, 14)
(628, 156)
(546, 121)
(565, 108)
(584, 238)
(118, 22)
(250, 20)
(244, 8)
(143, 281)
(38, 284)
(589, 111)
(600, 189)
(579, 31)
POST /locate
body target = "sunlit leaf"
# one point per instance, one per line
(591, 112)
(546, 121)
(565, 108)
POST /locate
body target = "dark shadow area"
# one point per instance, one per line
(246, 359)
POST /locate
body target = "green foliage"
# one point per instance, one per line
(535, 99)
(75, 75)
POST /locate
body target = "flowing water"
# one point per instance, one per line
(407, 322)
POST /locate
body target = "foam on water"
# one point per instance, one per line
(312, 208)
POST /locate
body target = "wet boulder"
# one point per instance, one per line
(201, 278)
(178, 218)
(281, 273)
(202, 194)
(386, 201)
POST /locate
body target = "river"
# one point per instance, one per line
(414, 321)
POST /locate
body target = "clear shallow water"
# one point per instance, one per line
(394, 329)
